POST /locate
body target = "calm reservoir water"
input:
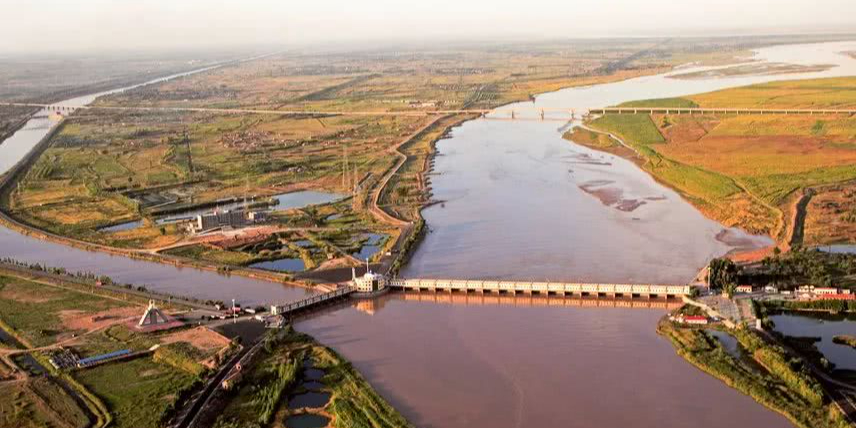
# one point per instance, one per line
(517, 207)
(843, 356)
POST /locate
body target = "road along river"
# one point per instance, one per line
(520, 204)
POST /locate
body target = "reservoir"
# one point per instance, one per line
(825, 327)
(517, 208)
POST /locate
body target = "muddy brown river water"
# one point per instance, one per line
(521, 203)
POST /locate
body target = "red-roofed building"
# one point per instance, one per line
(744, 289)
(837, 297)
(692, 319)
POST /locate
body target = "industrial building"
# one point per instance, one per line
(235, 218)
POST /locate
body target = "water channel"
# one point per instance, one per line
(516, 208)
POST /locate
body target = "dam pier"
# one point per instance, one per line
(372, 284)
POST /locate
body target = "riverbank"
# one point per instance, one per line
(763, 372)
(756, 172)
(302, 380)
(845, 339)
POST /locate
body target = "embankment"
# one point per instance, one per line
(764, 375)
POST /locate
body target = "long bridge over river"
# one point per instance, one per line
(563, 114)
(509, 289)
(541, 288)
(719, 111)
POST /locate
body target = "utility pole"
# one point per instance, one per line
(344, 168)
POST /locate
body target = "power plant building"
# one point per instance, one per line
(237, 218)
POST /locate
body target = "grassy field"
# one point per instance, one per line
(132, 393)
(742, 170)
(38, 403)
(353, 402)
(136, 392)
(41, 314)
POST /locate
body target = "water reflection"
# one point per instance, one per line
(121, 227)
(511, 361)
(282, 265)
(843, 356)
(516, 205)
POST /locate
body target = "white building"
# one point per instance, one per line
(369, 283)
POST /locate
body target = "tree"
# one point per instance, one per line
(729, 289)
(721, 272)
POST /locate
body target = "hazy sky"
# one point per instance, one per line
(74, 25)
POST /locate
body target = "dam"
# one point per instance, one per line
(541, 288)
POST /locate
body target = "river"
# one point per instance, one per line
(516, 208)
(156, 276)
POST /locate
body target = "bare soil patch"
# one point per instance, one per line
(201, 338)
(79, 320)
(756, 69)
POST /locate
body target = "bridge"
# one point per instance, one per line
(535, 300)
(505, 292)
(311, 302)
(541, 288)
(720, 111)
(563, 114)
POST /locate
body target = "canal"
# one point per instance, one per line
(517, 207)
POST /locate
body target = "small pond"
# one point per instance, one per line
(281, 265)
(843, 356)
(728, 342)
(287, 201)
(839, 249)
(8, 340)
(307, 421)
(371, 246)
(28, 363)
(311, 399)
(121, 226)
(313, 374)
(313, 385)
(283, 201)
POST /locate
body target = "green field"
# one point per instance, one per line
(34, 311)
(136, 392)
(662, 102)
(744, 170)
(353, 403)
(764, 373)
(38, 403)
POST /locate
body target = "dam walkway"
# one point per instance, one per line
(505, 289)
(542, 288)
